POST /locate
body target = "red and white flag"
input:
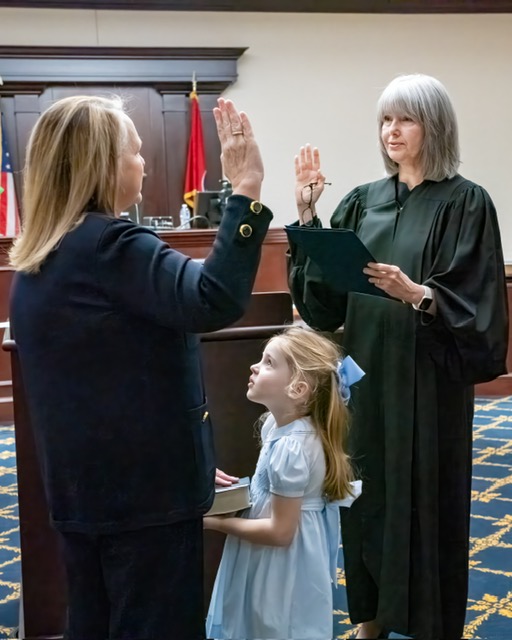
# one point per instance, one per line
(9, 216)
(196, 164)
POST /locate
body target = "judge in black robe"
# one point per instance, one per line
(406, 540)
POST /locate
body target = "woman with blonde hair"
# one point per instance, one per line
(279, 562)
(105, 316)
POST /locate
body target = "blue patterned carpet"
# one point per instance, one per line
(490, 586)
(9, 535)
(489, 613)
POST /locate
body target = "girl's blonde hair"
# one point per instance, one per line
(313, 358)
(72, 163)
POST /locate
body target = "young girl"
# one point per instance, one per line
(274, 579)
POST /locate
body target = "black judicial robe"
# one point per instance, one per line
(406, 539)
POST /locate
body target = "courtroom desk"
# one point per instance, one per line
(197, 243)
(272, 274)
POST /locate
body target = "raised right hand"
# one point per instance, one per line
(307, 172)
(241, 159)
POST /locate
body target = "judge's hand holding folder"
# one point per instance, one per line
(340, 256)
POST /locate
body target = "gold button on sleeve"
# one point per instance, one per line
(256, 207)
(246, 230)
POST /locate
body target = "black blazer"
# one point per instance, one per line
(106, 336)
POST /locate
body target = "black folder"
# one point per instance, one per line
(339, 254)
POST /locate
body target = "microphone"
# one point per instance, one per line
(205, 223)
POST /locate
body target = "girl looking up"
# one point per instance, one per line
(274, 579)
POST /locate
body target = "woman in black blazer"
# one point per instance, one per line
(106, 317)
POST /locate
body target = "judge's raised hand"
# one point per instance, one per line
(241, 158)
(309, 182)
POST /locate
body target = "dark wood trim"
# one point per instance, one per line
(128, 53)
(497, 388)
(286, 6)
(205, 237)
(169, 70)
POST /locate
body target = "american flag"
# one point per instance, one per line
(9, 216)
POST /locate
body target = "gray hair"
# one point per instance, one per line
(425, 100)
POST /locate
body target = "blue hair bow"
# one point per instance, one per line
(349, 372)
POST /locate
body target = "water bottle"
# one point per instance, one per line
(184, 217)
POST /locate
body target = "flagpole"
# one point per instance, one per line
(196, 156)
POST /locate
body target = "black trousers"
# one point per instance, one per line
(137, 585)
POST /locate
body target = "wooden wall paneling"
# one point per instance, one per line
(20, 114)
(164, 68)
(144, 108)
(176, 135)
(27, 110)
(143, 105)
(196, 243)
(176, 124)
(272, 274)
(8, 113)
(211, 141)
(155, 199)
(267, 308)
(5, 245)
